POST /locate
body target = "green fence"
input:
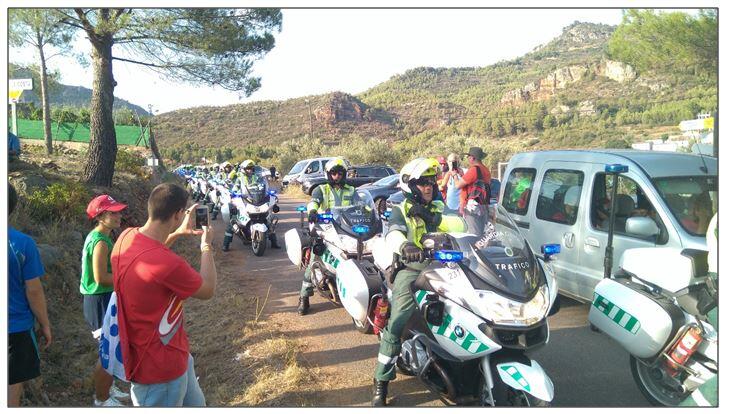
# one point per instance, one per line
(74, 132)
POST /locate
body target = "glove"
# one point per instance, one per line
(471, 205)
(312, 216)
(411, 253)
(424, 213)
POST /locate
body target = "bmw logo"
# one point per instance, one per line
(459, 331)
(509, 252)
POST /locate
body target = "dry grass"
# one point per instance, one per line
(295, 191)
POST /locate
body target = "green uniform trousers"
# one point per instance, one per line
(402, 306)
(307, 287)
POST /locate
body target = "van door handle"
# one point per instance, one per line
(569, 239)
(592, 242)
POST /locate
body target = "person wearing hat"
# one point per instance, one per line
(96, 286)
(475, 213)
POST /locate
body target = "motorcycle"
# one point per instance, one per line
(482, 303)
(252, 214)
(655, 306)
(342, 235)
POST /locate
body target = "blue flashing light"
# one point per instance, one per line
(549, 249)
(272, 192)
(387, 214)
(326, 217)
(617, 168)
(446, 256)
(301, 209)
(361, 229)
(235, 195)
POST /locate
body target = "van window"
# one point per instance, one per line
(518, 190)
(313, 167)
(297, 167)
(559, 196)
(692, 200)
(630, 202)
(324, 162)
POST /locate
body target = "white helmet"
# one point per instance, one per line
(247, 163)
(336, 164)
(225, 164)
(414, 170)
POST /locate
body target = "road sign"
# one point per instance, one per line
(20, 84)
(708, 123)
(692, 125)
(13, 96)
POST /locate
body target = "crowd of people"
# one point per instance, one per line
(139, 285)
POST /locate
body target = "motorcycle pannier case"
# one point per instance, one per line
(640, 321)
(296, 241)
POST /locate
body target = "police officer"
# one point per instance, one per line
(244, 177)
(335, 193)
(418, 214)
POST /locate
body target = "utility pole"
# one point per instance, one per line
(311, 127)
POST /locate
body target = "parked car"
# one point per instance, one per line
(381, 190)
(655, 202)
(307, 168)
(356, 176)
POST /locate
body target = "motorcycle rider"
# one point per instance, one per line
(335, 193)
(245, 177)
(418, 214)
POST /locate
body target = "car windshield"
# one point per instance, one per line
(361, 212)
(389, 181)
(692, 200)
(298, 167)
(501, 256)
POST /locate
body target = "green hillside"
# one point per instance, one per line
(569, 92)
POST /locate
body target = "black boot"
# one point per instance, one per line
(226, 242)
(303, 306)
(274, 241)
(380, 391)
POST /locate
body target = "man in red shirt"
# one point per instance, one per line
(151, 283)
(475, 214)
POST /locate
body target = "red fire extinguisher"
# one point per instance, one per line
(380, 314)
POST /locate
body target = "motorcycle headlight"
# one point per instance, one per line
(348, 243)
(505, 311)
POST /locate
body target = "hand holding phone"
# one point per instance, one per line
(201, 217)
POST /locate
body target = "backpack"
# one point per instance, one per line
(480, 191)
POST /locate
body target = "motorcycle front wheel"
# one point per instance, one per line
(259, 243)
(506, 396)
(651, 384)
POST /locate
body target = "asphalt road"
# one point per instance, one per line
(587, 368)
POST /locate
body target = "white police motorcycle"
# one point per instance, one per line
(483, 302)
(251, 212)
(656, 307)
(342, 235)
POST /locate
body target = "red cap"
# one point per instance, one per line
(103, 203)
(441, 160)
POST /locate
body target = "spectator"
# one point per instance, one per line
(448, 186)
(475, 212)
(13, 146)
(272, 170)
(96, 286)
(151, 283)
(26, 301)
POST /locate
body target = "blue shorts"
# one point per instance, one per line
(180, 392)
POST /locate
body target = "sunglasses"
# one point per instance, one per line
(424, 181)
(336, 172)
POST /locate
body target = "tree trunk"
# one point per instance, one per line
(103, 145)
(45, 103)
(154, 149)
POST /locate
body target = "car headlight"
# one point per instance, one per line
(504, 311)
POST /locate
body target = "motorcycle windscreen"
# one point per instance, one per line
(502, 258)
(256, 193)
(359, 219)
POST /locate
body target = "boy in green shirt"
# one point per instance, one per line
(96, 285)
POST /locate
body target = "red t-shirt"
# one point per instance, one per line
(151, 283)
(470, 177)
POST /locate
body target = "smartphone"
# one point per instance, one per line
(201, 217)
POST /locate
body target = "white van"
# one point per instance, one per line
(309, 166)
(665, 199)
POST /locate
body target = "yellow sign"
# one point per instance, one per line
(708, 123)
(13, 96)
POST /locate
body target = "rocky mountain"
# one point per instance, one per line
(568, 83)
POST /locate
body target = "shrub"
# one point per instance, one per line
(130, 162)
(60, 201)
